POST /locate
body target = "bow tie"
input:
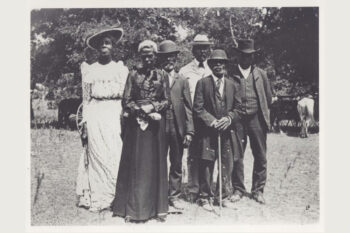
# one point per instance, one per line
(201, 65)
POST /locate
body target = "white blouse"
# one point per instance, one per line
(103, 81)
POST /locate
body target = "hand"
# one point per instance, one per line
(213, 123)
(187, 140)
(147, 108)
(223, 123)
(84, 135)
(274, 99)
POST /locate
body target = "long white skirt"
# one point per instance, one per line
(96, 184)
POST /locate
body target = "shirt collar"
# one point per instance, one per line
(244, 70)
(216, 78)
(172, 73)
(197, 63)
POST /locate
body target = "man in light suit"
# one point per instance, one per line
(179, 124)
(216, 109)
(256, 100)
(194, 71)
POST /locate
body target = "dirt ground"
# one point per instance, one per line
(291, 193)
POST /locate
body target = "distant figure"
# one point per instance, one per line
(284, 108)
(65, 108)
(103, 86)
(306, 114)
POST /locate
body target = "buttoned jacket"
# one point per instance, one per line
(205, 112)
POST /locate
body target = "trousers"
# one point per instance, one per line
(252, 127)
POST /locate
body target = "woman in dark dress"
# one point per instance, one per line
(141, 191)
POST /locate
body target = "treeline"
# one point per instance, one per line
(287, 39)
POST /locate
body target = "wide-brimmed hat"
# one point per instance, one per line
(246, 46)
(218, 54)
(167, 46)
(93, 41)
(201, 39)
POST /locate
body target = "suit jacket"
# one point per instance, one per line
(205, 112)
(263, 90)
(181, 104)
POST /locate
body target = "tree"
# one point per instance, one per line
(58, 37)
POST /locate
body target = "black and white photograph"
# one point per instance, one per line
(174, 116)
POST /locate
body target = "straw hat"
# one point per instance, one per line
(201, 39)
(93, 41)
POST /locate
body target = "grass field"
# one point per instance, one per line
(291, 193)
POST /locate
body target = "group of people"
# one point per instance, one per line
(132, 119)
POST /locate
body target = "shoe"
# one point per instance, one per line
(177, 204)
(206, 204)
(127, 219)
(192, 197)
(236, 196)
(259, 197)
(228, 204)
(161, 218)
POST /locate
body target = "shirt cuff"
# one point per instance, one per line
(230, 119)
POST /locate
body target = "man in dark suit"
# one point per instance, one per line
(179, 124)
(216, 108)
(256, 100)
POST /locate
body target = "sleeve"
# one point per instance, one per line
(164, 101)
(236, 113)
(198, 105)
(86, 88)
(188, 107)
(122, 77)
(128, 103)
(268, 89)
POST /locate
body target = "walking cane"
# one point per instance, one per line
(220, 174)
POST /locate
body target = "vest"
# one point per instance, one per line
(220, 103)
(250, 102)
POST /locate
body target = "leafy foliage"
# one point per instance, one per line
(288, 38)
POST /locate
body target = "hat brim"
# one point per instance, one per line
(201, 43)
(217, 59)
(168, 52)
(247, 51)
(93, 41)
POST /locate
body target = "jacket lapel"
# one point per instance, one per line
(257, 82)
(228, 93)
(255, 74)
(212, 93)
(174, 80)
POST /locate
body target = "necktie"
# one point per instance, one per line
(218, 85)
(201, 65)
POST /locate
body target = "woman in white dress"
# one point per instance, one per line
(103, 85)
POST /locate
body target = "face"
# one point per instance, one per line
(105, 47)
(245, 59)
(217, 67)
(201, 52)
(168, 61)
(148, 59)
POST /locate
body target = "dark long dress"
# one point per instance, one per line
(142, 187)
